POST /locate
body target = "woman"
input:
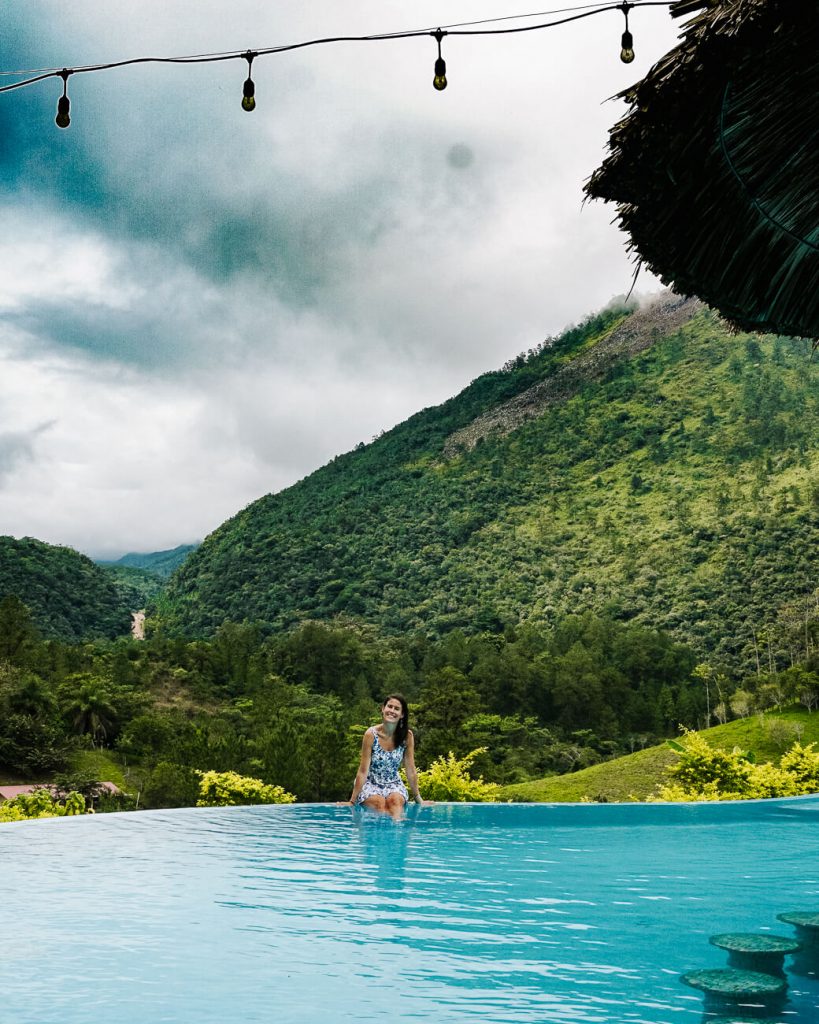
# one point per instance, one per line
(383, 750)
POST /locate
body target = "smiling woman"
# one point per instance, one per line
(384, 749)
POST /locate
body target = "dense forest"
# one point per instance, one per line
(679, 490)
(291, 708)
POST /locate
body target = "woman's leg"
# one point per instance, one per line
(395, 805)
(375, 802)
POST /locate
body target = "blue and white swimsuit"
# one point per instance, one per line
(383, 778)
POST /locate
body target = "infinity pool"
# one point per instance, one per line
(503, 914)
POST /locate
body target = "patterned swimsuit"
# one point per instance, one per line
(382, 777)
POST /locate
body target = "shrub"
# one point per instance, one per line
(803, 764)
(700, 764)
(705, 773)
(226, 789)
(41, 804)
(448, 778)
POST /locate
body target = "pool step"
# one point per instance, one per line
(728, 989)
(806, 922)
(749, 951)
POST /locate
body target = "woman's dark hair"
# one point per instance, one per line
(401, 730)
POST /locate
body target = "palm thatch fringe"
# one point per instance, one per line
(713, 169)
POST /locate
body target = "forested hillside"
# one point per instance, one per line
(653, 468)
(69, 597)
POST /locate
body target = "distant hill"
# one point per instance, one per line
(69, 596)
(158, 563)
(648, 465)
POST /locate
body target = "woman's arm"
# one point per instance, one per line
(409, 767)
(363, 766)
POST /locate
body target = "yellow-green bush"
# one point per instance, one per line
(707, 773)
(226, 789)
(803, 764)
(41, 804)
(448, 778)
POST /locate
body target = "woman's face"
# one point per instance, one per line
(392, 710)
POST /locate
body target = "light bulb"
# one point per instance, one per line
(249, 95)
(439, 81)
(63, 119)
(627, 51)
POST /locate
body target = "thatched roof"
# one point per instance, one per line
(714, 169)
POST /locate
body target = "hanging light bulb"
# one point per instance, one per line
(63, 118)
(439, 81)
(627, 48)
(249, 88)
(627, 41)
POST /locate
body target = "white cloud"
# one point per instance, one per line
(205, 305)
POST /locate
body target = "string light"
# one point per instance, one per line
(63, 118)
(439, 81)
(627, 42)
(249, 89)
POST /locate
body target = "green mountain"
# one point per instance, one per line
(69, 596)
(647, 464)
(159, 563)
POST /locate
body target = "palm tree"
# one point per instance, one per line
(89, 708)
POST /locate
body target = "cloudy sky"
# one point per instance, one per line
(200, 305)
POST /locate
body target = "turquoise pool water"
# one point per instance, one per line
(502, 914)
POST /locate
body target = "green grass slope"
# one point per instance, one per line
(636, 776)
(69, 596)
(679, 489)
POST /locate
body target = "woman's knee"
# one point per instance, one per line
(376, 802)
(395, 800)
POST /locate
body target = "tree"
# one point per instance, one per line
(705, 674)
(741, 703)
(171, 785)
(32, 696)
(87, 706)
(18, 634)
(447, 701)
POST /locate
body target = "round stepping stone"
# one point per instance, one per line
(752, 952)
(804, 921)
(728, 985)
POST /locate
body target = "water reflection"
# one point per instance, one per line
(382, 843)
